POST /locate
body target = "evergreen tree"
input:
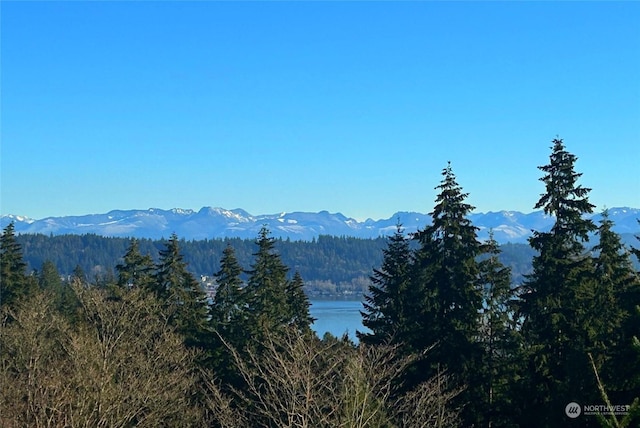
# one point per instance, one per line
(14, 283)
(553, 299)
(298, 303)
(183, 296)
(64, 298)
(498, 338)
(49, 277)
(266, 290)
(615, 320)
(228, 303)
(227, 322)
(388, 304)
(136, 270)
(446, 272)
(78, 275)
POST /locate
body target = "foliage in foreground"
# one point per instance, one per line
(122, 365)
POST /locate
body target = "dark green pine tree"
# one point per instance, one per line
(389, 303)
(228, 303)
(79, 275)
(298, 303)
(49, 278)
(228, 311)
(266, 290)
(446, 271)
(14, 283)
(553, 299)
(498, 337)
(615, 321)
(184, 298)
(64, 298)
(136, 269)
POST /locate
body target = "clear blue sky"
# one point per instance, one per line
(351, 107)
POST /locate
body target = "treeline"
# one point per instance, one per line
(327, 259)
(330, 266)
(451, 341)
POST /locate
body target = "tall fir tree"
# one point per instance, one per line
(615, 321)
(266, 290)
(390, 306)
(299, 317)
(184, 298)
(553, 299)
(273, 301)
(64, 298)
(498, 338)
(14, 282)
(136, 269)
(79, 275)
(447, 273)
(228, 309)
(49, 278)
(228, 303)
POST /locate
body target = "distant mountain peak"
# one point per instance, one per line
(17, 219)
(181, 211)
(216, 222)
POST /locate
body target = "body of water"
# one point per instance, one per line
(337, 317)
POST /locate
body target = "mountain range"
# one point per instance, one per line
(209, 223)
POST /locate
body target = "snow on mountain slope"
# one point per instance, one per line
(209, 222)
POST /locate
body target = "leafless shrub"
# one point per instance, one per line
(300, 381)
(428, 405)
(291, 382)
(33, 382)
(122, 366)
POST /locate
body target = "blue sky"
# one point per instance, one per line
(351, 107)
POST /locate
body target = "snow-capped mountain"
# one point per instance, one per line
(208, 222)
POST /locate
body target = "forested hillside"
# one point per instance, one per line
(330, 266)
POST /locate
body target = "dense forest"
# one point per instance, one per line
(330, 266)
(454, 340)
